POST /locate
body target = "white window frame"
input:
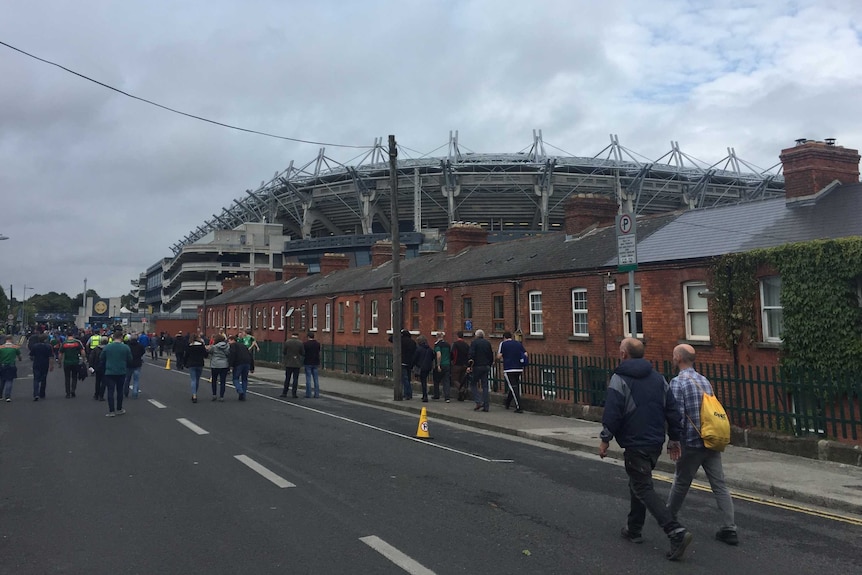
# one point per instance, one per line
(374, 316)
(690, 293)
(327, 316)
(357, 316)
(769, 310)
(313, 317)
(580, 310)
(627, 326)
(281, 317)
(272, 317)
(537, 325)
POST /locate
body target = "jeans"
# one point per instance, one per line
(311, 374)
(40, 380)
(291, 374)
(114, 383)
(70, 372)
(691, 459)
(7, 378)
(407, 387)
(218, 376)
(442, 375)
(480, 378)
(133, 376)
(639, 465)
(240, 378)
(195, 378)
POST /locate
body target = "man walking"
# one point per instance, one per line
(481, 359)
(294, 354)
(688, 388)
(442, 372)
(460, 357)
(113, 361)
(9, 355)
(240, 360)
(513, 355)
(41, 353)
(638, 408)
(311, 361)
(408, 350)
(71, 354)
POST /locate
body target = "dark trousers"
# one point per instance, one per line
(114, 384)
(459, 376)
(70, 372)
(513, 382)
(218, 377)
(442, 376)
(40, 380)
(639, 466)
(100, 385)
(291, 374)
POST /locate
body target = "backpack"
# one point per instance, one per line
(714, 424)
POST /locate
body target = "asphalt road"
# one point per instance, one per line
(339, 488)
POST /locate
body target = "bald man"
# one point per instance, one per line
(688, 388)
(638, 408)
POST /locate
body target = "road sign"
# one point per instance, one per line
(627, 243)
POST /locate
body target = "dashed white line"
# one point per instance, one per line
(192, 426)
(404, 561)
(158, 404)
(257, 467)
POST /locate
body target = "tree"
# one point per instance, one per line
(4, 304)
(79, 299)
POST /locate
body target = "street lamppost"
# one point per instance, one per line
(24, 308)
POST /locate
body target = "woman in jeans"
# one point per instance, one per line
(219, 365)
(194, 361)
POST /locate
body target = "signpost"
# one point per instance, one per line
(627, 260)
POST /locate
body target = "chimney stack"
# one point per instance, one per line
(234, 282)
(464, 235)
(264, 276)
(292, 270)
(810, 166)
(586, 210)
(333, 262)
(381, 252)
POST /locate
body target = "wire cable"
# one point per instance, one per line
(180, 112)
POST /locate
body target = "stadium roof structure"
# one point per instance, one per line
(514, 192)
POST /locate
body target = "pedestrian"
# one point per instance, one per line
(481, 358)
(41, 353)
(181, 342)
(219, 353)
(311, 362)
(194, 357)
(133, 371)
(688, 388)
(408, 350)
(443, 368)
(639, 407)
(513, 355)
(71, 355)
(239, 359)
(294, 358)
(163, 343)
(94, 359)
(10, 354)
(423, 360)
(460, 357)
(113, 362)
(153, 344)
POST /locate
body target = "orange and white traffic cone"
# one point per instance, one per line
(168, 364)
(422, 430)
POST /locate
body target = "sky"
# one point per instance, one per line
(96, 185)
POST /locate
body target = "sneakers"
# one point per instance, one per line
(221, 398)
(215, 397)
(110, 414)
(283, 395)
(121, 411)
(728, 536)
(194, 399)
(678, 544)
(633, 537)
(8, 400)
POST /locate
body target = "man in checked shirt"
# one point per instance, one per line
(694, 455)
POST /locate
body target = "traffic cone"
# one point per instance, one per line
(168, 365)
(422, 430)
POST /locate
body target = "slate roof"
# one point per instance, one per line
(668, 237)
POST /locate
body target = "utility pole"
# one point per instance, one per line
(398, 393)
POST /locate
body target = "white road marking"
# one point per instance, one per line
(380, 429)
(255, 466)
(404, 561)
(157, 404)
(192, 426)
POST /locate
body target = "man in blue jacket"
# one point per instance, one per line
(638, 408)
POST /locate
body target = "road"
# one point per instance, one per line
(330, 486)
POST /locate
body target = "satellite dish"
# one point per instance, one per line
(289, 312)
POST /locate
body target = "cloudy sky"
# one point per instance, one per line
(97, 185)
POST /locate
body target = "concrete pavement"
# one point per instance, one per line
(749, 472)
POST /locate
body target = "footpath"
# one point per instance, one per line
(749, 472)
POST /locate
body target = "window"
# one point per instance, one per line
(327, 325)
(414, 314)
(696, 315)
(356, 316)
(374, 315)
(341, 316)
(257, 319)
(314, 317)
(627, 322)
(302, 317)
(580, 325)
(499, 319)
(770, 305)
(536, 325)
(272, 317)
(281, 316)
(439, 314)
(467, 306)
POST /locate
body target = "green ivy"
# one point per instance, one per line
(821, 308)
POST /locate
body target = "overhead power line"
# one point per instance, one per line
(180, 112)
